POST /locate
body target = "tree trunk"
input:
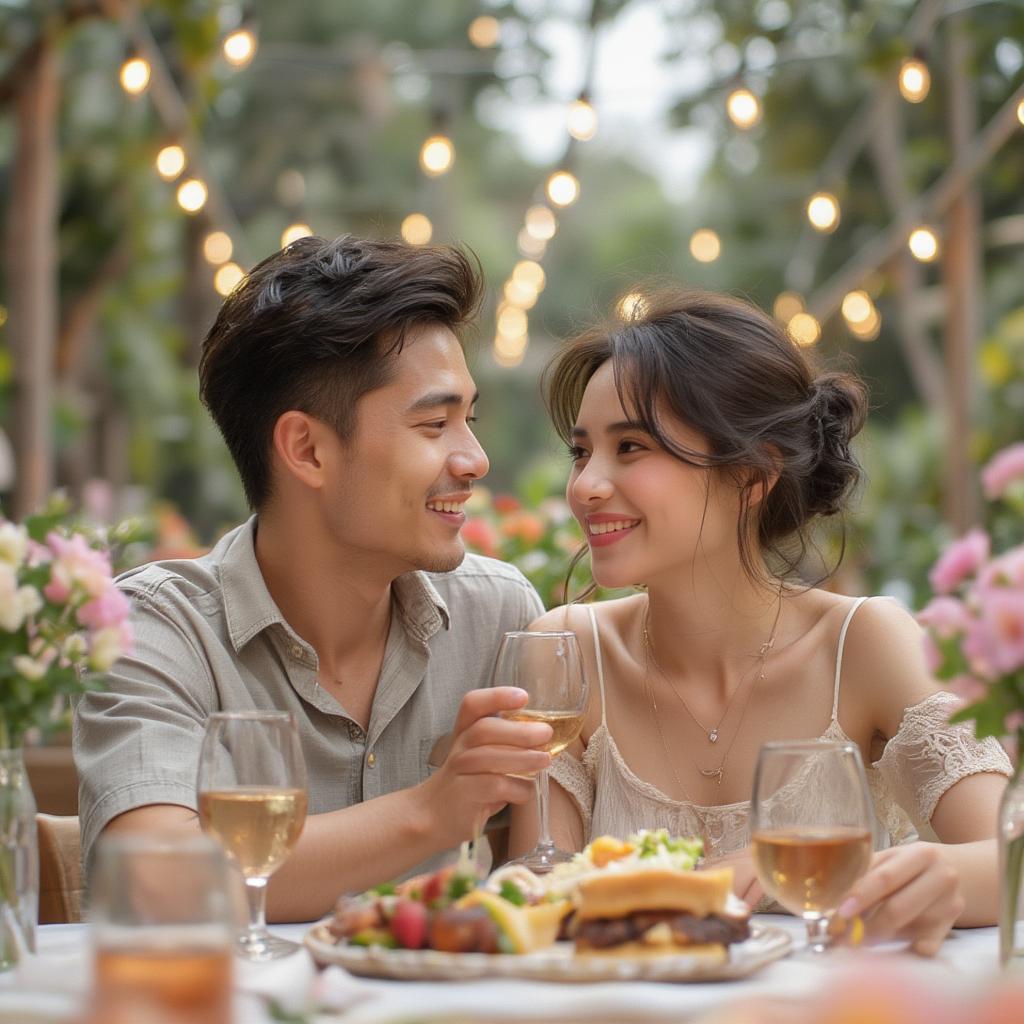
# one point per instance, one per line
(31, 255)
(962, 281)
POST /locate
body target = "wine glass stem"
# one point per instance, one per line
(256, 891)
(817, 933)
(544, 833)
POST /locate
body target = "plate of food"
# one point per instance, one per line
(621, 910)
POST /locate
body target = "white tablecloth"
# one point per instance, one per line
(53, 985)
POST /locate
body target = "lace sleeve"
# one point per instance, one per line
(928, 755)
(576, 779)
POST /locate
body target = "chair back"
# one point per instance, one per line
(61, 887)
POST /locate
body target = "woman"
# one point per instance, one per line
(704, 448)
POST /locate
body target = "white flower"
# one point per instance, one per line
(106, 649)
(75, 647)
(12, 613)
(29, 667)
(13, 544)
(31, 600)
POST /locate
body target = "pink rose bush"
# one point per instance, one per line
(975, 624)
(63, 623)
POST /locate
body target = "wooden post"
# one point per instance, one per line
(31, 257)
(962, 282)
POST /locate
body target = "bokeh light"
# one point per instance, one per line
(787, 305)
(631, 306)
(804, 329)
(563, 188)
(541, 223)
(417, 229)
(239, 47)
(581, 119)
(192, 195)
(915, 80)
(857, 307)
(924, 244)
(744, 108)
(135, 74)
(170, 162)
(217, 247)
(484, 31)
(294, 232)
(705, 245)
(530, 272)
(823, 211)
(437, 155)
(228, 278)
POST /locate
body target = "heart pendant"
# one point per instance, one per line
(713, 736)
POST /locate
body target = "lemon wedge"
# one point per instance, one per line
(525, 928)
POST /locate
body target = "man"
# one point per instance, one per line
(336, 378)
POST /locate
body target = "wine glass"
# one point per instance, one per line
(162, 930)
(253, 798)
(549, 668)
(811, 827)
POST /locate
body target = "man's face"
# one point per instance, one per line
(409, 466)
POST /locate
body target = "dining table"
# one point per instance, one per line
(53, 985)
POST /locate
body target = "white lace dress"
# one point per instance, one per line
(917, 765)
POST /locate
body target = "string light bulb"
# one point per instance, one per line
(484, 31)
(170, 162)
(512, 321)
(631, 306)
(563, 188)
(135, 74)
(541, 223)
(915, 80)
(228, 278)
(857, 307)
(530, 272)
(509, 351)
(294, 232)
(437, 155)
(192, 195)
(744, 108)
(217, 247)
(1020, 111)
(787, 305)
(804, 329)
(867, 329)
(823, 212)
(923, 244)
(520, 293)
(705, 245)
(581, 119)
(417, 229)
(239, 47)
(529, 247)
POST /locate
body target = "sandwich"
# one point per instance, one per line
(658, 911)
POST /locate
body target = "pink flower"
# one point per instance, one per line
(946, 616)
(75, 565)
(994, 643)
(1005, 571)
(1003, 469)
(1014, 721)
(959, 561)
(109, 609)
(968, 688)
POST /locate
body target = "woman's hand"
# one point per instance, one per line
(744, 878)
(909, 892)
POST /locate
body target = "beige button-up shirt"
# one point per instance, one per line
(208, 637)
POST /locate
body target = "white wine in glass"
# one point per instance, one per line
(811, 828)
(252, 798)
(549, 668)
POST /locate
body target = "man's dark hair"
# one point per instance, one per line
(314, 328)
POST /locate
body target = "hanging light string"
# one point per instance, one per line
(198, 189)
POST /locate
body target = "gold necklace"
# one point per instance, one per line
(763, 652)
(709, 773)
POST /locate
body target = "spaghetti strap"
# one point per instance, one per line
(839, 655)
(597, 658)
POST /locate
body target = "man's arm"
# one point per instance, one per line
(377, 840)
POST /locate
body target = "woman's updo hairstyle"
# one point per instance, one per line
(730, 372)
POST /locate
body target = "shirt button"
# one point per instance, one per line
(296, 651)
(371, 759)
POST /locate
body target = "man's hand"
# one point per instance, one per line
(909, 892)
(474, 782)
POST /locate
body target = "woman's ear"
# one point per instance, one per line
(297, 444)
(759, 489)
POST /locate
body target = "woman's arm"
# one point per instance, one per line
(920, 890)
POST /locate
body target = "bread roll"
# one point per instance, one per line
(612, 894)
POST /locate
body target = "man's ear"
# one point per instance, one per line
(760, 489)
(299, 441)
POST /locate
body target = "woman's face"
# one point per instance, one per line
(645, 513)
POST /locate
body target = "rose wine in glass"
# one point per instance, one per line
(252, 798)
(811, 827)
(549, 668)
(162, 930)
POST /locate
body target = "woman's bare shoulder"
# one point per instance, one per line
(612, 614)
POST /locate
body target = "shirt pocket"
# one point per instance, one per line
(433, 750)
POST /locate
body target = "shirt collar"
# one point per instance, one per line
(250, 609)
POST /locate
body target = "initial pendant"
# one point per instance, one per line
(714, 773)
(713, 736)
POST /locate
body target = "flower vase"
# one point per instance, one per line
(19, 861)
(1011, 870)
